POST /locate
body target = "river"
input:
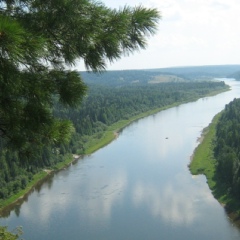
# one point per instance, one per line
(138, 187)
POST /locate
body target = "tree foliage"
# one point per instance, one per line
(227, 148)
(6, 235)
(38, 41)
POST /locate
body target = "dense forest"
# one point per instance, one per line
(104, 105)
(227, 148)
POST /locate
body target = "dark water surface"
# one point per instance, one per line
(137, 188)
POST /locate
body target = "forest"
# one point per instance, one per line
(105, 104)
(227, 149)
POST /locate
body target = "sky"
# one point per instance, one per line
(190, 33)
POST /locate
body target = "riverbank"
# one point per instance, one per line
(203, 162)
(37, 178)
(94, 144)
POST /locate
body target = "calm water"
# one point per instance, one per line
(137, 188)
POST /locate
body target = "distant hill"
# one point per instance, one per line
(119, 78)
(235, 75)
(219, 70)
(145, 76)
(201, 72)
(130, 77)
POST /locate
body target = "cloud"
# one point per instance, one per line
(203, 27)
(190, 33)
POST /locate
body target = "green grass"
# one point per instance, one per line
(68, 158)
(203, 161)
(36, 178)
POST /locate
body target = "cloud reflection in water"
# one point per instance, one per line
(170, 203)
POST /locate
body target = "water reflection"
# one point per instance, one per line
(171, 202)
(100, 197)
(93, 198)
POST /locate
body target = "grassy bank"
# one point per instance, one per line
(93, 145)
(36, 179)
(203, 162)
(112, 131)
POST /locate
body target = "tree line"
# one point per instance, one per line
(227, 148)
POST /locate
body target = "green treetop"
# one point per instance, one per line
(39, 39)
(6, 235)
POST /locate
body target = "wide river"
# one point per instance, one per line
(136, 188)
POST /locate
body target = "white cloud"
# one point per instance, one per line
(191, 32)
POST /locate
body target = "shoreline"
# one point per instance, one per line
(38, 179)
(109, 135)
(202, 162)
